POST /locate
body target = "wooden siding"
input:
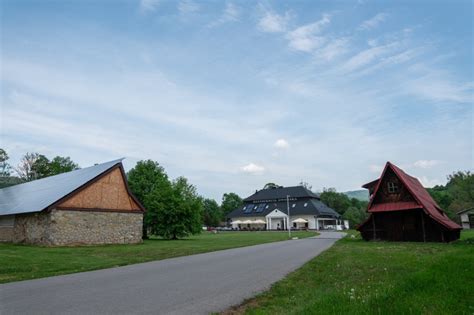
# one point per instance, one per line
(108, 192)
(383, 195)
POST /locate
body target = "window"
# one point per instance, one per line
(247, 209)
(260, 207)
(294, 205)
(305, 204)
(392, 188)
(267, 206)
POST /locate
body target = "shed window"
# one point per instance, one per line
(392, 188)
(7, 221)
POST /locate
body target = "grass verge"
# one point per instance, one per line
(21, 262)
(359, 277)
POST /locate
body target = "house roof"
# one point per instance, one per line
(465, 210)
(281, 193)
(421, 195)
(40, 194)
(311, 206)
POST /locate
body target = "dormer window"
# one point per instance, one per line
(392, 188)
(305, 204)
(294, 205)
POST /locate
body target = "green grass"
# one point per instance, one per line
(21, 262)
(359, 277)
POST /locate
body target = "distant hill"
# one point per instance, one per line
(362, 194)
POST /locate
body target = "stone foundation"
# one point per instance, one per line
(66, 227)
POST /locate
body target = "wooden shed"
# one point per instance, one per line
(402, 210)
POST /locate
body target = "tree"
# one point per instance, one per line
(355, 216)
(337, 201)
(41, 167)
(306, 185)
(24, 169)
(212, 214)
(177, 214)
(61, 164)
(271, 186)
(4, 166)
(150, 184)
(230, 202)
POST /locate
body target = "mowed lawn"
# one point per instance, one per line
(21, 262)
(358, 277)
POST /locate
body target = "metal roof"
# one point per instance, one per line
(39, 194)
(281, 193)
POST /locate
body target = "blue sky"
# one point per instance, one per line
(235, 94)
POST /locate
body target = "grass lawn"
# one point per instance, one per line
(21, 262)
(359, 277)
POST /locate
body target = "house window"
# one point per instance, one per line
(7, 221)
(260, 207)
(247, 209)
(392, 188)
(305, 204)
(294, 205)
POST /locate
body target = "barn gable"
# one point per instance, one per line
(108, 192)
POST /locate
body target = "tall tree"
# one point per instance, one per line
(230, 202)
(211, 212)
(150, 184)
(335, 200)
(4, 166)
(41, 167)
(25, 167)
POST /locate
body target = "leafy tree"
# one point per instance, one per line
(306, 185)
(271, 185)
(61, 164)
(337, 201)
(212, 214)
(230, 202)
(177, 214)
(150, 184)
(4, 166)
(41, 167)
(355, 215)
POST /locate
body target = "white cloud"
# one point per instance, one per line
(426, 182)
(231, 14)
(281, 144)
(273, 22)
(252, 168)
(332, 50)
(368, 56)
(426, 163)
(187, 6)
(373, 22)
(148, 5)
(305, 38)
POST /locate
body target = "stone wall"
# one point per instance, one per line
(65, 227)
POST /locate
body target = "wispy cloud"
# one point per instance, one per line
(188, 6)
(231, 13)
(306, 38)
(426, 163)
(148, 5)
(373, 22)
(272, 22)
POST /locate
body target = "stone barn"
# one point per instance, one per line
(87, 206)
(401, 209)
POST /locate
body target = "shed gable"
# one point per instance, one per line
(109, 192)
(392, 189)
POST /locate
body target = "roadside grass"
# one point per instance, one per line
(22, 262)
(359, 277)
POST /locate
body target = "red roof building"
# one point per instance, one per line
(402, 210)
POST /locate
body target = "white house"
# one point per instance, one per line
(267, 209)
(467, 218)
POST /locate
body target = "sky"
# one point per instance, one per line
(236, 94)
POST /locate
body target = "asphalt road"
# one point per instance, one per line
(197, 284)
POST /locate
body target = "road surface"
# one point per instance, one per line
(197, 284)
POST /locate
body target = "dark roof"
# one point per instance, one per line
(313, 207)
(38, 195)
(421, 195)
(281, 193)
(465, 210)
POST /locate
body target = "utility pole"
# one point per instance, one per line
(288, 208)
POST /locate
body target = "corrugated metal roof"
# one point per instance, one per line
(281, 193)
(420, 194)
(394, 206)
(39, 194)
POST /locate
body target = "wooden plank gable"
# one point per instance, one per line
(109, 192)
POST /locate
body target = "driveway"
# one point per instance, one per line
(197, 284)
